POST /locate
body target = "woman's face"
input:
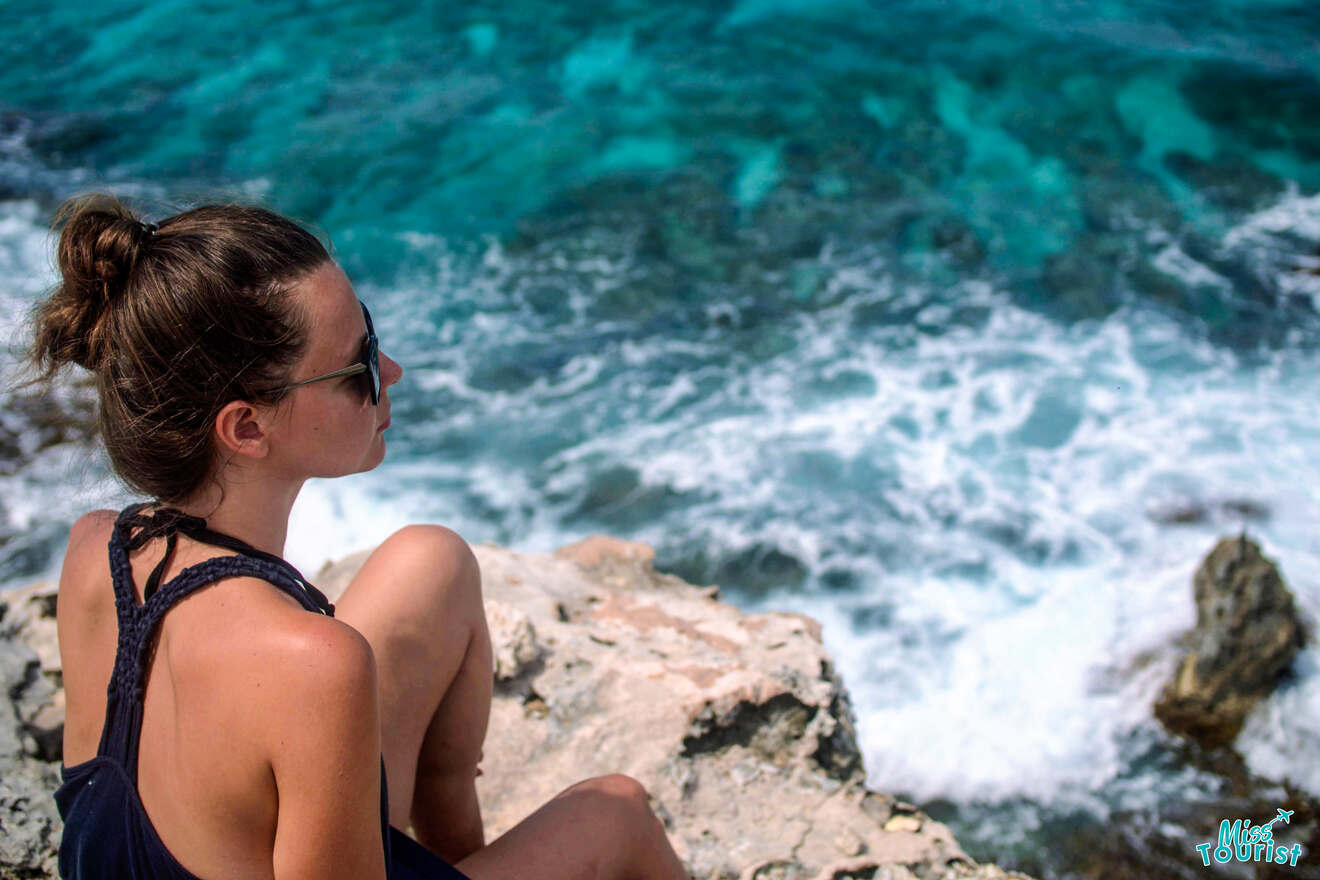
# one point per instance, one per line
(331, 428)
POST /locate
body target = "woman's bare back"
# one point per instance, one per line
(225, 682)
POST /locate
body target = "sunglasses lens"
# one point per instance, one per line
(373, 371)
(372, 359)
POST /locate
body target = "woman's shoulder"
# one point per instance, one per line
(247, 623)
(251, 628)
(294, 639)
(85, 558)
(296, 665)
(90, 532)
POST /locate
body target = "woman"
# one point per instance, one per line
(223, 721)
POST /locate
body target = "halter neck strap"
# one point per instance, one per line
(170, 522)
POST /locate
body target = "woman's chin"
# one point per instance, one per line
(377, 453)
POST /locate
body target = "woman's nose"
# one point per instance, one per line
(391, 370)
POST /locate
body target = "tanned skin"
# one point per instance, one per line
(264, 725)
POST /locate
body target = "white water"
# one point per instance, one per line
(994, 488)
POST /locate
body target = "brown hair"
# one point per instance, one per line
(174, 321)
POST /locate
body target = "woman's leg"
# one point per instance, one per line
(600, 829)
(417, 600)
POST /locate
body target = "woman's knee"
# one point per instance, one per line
(628, 835)
(615, 794)
(436, 561)
(619, 787)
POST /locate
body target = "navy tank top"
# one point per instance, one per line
(107, 833)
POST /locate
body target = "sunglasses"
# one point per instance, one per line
(368, 364)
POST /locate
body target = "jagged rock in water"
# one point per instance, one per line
(1247, 633)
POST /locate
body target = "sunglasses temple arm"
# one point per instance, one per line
(346, 371)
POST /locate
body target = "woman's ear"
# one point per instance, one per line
(241, 428)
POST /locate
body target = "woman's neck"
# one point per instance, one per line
(254, 512)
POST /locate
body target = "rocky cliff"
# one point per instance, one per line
(738, 725)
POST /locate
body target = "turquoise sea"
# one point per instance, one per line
(965, 327)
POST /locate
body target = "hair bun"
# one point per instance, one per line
(100, 243)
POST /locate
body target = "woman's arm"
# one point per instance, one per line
(324, 739)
